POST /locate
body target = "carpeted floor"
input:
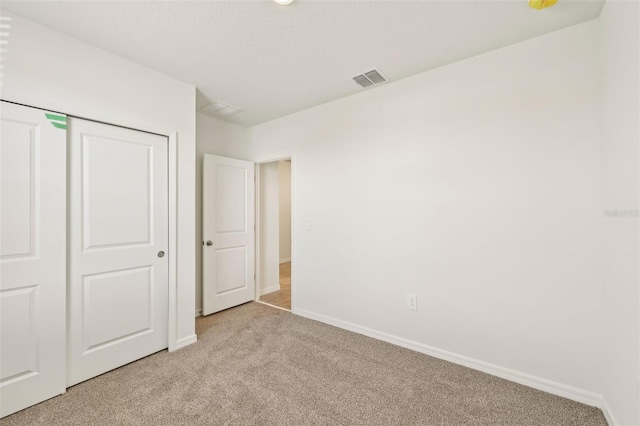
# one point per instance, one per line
(256, 365)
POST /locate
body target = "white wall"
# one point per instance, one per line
(49, 70)
(269, 217)
(284, 177)
(474, 186)
(215, 137)
(620, 139)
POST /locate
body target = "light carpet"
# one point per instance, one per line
(256, 365)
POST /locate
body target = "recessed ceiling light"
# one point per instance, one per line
(283, 2)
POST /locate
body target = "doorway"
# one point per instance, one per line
(274, 233)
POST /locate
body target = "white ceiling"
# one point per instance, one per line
(272, 60)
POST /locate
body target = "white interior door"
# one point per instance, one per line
(228, 233)
(32, 256)
(118, 290)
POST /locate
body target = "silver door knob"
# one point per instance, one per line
(160, 254)
(209, 243)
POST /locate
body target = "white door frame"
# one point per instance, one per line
(173, 242)
(172, 248)
(293, 228)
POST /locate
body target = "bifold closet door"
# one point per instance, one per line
(32, 256)
(118, 231)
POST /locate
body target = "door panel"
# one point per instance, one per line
(19, 343)
(116, 214)
(32, 257)
(228, 223)
(230, 189)
(118, 291)
(104, 291)
(231, 269)
(20, 152)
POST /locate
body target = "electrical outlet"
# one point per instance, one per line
(309, 224)
(412, 302)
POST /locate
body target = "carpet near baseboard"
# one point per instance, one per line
(255, 365)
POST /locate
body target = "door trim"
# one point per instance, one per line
(293, 227)
(173, 244)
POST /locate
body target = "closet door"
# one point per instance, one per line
(32, 256)
(118, 289)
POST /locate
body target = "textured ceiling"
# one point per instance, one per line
(272, 60)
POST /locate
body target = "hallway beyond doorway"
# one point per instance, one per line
(282, 297)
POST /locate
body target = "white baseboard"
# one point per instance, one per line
(288, 259)
(198, 313)
(269, 289)
(608, 414)
(555, 388)
(186, 341)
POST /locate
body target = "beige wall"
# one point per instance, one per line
(284, 174)
(269, 227)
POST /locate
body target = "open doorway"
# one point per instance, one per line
(274, 233)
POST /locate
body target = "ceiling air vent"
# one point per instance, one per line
(220, 109)
(369, 78)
